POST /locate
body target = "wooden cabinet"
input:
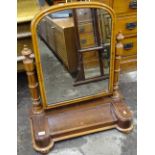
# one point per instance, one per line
(58, 34)
(126, 22)
(26, 10)
(125, 6)
(23, 38)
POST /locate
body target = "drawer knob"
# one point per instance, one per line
(133, 4)
(131, 26)
(128, 46)
(83, 41)
(81, 29)
(52, 27)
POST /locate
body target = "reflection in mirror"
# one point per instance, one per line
(74, 48)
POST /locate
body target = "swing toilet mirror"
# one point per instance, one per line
(74, 52)
(76, 62)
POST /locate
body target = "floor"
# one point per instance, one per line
(111, 142)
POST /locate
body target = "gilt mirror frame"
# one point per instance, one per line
(61, 7)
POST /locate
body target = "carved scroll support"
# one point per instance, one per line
(119, 51)
(28, 62)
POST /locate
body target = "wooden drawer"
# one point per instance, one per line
(127, 25)
(85, 27)
(90, 59)
(129, 63)
(23, 27)
(92, 54)
(125, 6)
(83, 15)
(87, 40)
(130, 46)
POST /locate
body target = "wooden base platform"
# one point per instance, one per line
(77, 120)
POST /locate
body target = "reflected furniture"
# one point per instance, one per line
(126, 23)
(89, 42)
(61, 111)
(57, 33)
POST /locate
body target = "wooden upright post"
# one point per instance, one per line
(118, 56)
(32, 83)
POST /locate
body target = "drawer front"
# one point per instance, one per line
(86, 27)
(87, 40)
(90, 59)
(129, 46)
(127, 25)
(125, 6)
(23, 27)
(90, 55)
(83, 15)
(129, 63)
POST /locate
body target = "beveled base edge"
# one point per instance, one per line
(46, 149)
(50, 146)
(119, 122)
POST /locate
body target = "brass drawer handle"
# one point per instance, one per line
(128, 46)
(81, 29)
(83, 41)
(131, 26)
(133, 4)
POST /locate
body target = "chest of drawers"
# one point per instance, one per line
(126, 22)
(25, 13)
(57, 33)
(26, 10)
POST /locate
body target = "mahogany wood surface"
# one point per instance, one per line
(94, 114)
(77, 120)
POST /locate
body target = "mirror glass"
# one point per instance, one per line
(74, 48)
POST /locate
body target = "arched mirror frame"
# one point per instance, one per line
(61, 7)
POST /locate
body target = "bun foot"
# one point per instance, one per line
(41, 139)
(124, 117)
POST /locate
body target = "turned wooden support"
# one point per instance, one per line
(28, 62)
(119, 51)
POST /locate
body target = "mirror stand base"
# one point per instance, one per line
(79, 119)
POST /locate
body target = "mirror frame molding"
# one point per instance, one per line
(40, 76)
